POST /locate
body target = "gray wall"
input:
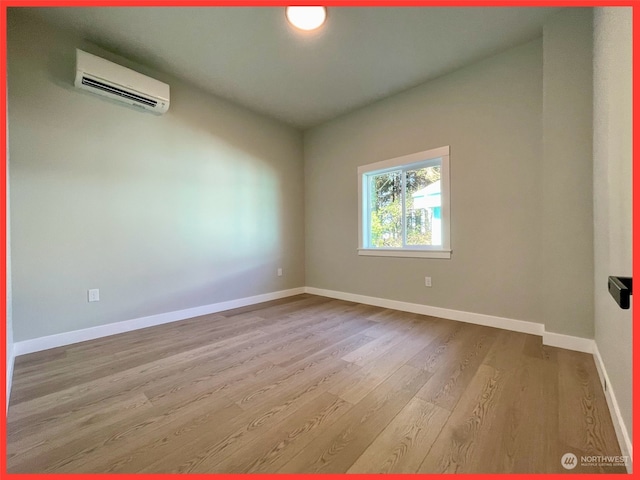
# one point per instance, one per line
(490, 115)
(9, 312)
(612, 148)
(198, 206)
(567, 173)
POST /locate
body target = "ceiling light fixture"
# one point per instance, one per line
(306, 18)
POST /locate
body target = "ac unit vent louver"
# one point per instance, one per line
(117, 91)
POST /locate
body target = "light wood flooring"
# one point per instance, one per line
(308, 384)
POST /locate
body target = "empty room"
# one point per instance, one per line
(319, 240)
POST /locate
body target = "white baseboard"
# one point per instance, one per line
(548, 338)
(461, 316)
(568, 342)
(10, 362)
(621, 430)
(76, 336)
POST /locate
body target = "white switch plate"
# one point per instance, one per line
(94, 295)
(427, 281)
(280, 272)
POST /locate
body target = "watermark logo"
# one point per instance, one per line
(569, 461)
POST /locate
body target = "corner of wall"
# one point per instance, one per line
(9, 312)
(10, 363)
(613, 206)
(622, 434)
(567, 175)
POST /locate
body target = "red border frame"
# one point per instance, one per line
(328, 3)
(353, 3)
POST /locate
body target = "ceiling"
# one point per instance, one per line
(251, 56)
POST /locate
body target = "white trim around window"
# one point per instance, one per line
(437, 156)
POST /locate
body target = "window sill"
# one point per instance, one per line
(379, 252)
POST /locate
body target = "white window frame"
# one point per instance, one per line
(407, 162)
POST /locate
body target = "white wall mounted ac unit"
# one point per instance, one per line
(109, 79)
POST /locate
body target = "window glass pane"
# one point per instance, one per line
(423, 205)
(385, 210)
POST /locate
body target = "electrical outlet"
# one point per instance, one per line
(94, 295)
(427, 281)
(280, 272)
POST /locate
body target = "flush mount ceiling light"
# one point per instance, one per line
(306, 18)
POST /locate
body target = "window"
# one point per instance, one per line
(404, 206)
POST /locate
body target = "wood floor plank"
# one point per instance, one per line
(549, 421)
(445, 346)
(343, 442)
(533, 346)
(402, 446)
(227, 382)
(375, 372)
(449, 381)
(374, 349)
(291, 380)
(207, 347)
(191, 361)
(507, 348)
(512, 440)
(299, 373)
(387, 321)
(281, 355)
(458, 441)
(134, 347)
(286, 439)
(81, 452)
(493, 432)
(209, 446)
(590, 432)
(36, 440)
(124, 383)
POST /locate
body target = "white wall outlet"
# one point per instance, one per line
(427, 281)
(280, 272)
(94, 295)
